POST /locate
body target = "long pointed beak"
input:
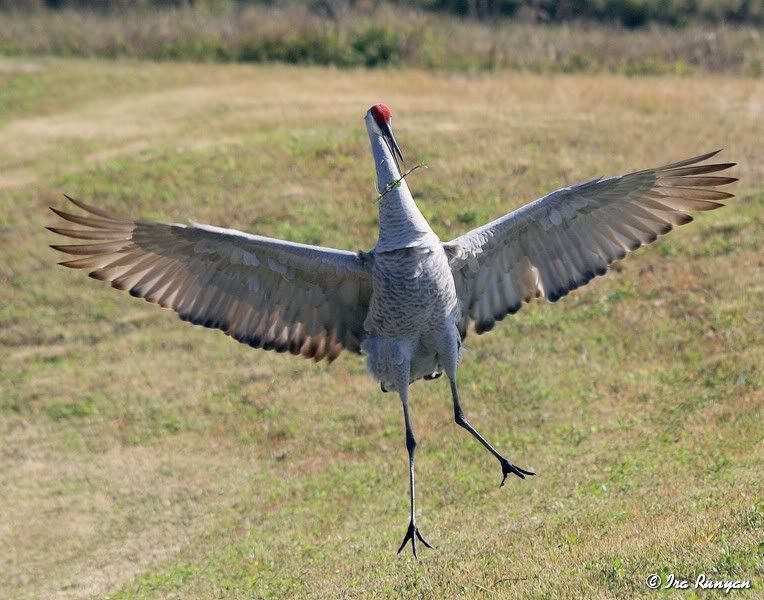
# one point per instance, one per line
(395, 150)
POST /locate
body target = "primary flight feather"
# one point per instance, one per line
(408, 303)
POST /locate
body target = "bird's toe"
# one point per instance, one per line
(507, 468)
(412, 534)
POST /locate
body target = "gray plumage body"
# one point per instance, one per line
(408, 303)
(412, 310)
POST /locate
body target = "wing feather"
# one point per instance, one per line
(563, 240)
(263, 292)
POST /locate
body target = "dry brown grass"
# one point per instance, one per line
(142, 457)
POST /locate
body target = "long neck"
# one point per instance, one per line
(401, 225)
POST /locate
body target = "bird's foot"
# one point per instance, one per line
(413, 534)
(507, 468)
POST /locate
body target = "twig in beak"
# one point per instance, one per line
(397, 182)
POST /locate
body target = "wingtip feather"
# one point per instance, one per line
(691, 161)
(94, 210)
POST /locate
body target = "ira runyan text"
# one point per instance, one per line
(701, 582)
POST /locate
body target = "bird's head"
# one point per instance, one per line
(379, 122)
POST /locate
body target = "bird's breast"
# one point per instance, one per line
(413, 288)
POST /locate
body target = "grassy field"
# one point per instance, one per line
(145, 458)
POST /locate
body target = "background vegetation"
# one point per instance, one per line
(394, 35)
(145, 458)
(630, 13)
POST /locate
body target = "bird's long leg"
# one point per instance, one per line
(412, 533)
(506, 466)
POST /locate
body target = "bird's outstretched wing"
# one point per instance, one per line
(264, 292)
(558, 243)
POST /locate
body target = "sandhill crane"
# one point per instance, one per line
(408, 303)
